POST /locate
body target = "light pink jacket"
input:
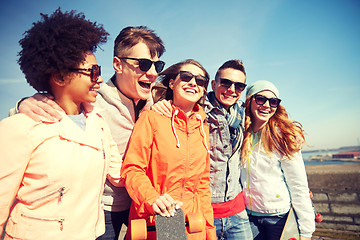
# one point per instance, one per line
(55, 172)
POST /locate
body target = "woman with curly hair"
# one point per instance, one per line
(273, 172)
(167, 163)
(53, 173)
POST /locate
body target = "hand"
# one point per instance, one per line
(40, 105)
(299, 141)
(163, 107)
(304, 238)
(165, 205)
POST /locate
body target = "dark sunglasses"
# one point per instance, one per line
(186, 76)
(261, 100)
(95, 72)
(226, 83)
(145, 64)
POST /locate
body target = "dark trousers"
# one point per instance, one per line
(113, 223)
(267, 227)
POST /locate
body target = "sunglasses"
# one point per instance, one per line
(261, 100)
(186, 76)
(95, 72)
(145, 64)
(226, 83)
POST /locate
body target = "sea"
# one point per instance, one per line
(307, 158)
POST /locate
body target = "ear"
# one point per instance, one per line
(171, 84)
(213, 84)
(57, 79)
(117, 65)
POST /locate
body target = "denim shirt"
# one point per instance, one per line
(224, 163)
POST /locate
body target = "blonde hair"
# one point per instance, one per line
(279, 135)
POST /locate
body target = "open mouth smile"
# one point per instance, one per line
(146, 85)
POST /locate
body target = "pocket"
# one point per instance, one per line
(47, 197)
(242, 215)
(44, 220)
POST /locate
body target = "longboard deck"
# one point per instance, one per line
(171, 227)
(290, 230)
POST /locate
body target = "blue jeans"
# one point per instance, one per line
(267, 227)
(113, 223)
(234, 227)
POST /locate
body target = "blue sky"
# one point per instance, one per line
(309, 49)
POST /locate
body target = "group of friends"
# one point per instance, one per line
(79, 161)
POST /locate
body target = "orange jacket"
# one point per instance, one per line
(55, 172)
(169, 156)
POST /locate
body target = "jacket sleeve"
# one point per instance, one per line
(205, 197)
(113, 174)
(296, 179)
(14, 157)
(136, 164)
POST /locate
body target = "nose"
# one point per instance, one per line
(100, 80)
(267, 103)
(232, 87)
(151, 73)
(193, 81)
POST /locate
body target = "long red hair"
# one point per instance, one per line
(279, 134)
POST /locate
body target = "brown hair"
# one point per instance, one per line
(234, 64)
(130, 36)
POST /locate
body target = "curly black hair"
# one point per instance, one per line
(56, 44)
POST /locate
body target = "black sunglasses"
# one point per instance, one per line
(95, 72)
(226, 83)
(145, 64)
(186, 76)
(261, 100)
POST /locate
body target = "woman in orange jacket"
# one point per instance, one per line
(52, 173)
(167, 162)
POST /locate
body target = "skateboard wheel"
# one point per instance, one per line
(311, 194)
(196, 222)
(292, 239)
(138, 229)
(318, 217)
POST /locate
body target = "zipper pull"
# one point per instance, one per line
(103, 149)
(61, 194)
(61, 221)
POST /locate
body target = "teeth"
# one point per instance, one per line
(229, 96)
(190, 91)
(145, 84)
(265, 112)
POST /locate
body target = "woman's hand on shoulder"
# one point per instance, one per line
(299, 141)
(40, 105)
(165, 205)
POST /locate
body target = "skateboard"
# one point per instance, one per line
(290, 231)
(168, 227)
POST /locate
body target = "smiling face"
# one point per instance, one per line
(262, 113)
(72, 90)
(81, 88)
(186, 94)
(228, 96)
(131, 81)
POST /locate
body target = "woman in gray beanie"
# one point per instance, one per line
(273, 172)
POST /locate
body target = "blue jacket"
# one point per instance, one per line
(224, 162)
